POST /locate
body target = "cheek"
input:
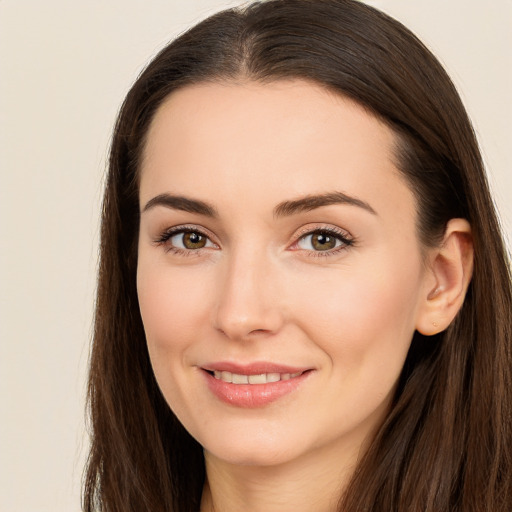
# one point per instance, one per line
(172, 308)
(363, 320)
(173, 315)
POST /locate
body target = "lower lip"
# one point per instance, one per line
(253, 395)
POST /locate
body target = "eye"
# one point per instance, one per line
(323, 240)
(185, 240)
(189, 240)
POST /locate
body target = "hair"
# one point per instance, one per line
(445, 444)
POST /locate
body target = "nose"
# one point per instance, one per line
(248, 298)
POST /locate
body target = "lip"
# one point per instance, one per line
(253, 395)
(252, 368)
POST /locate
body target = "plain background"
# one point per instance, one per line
(64, 69)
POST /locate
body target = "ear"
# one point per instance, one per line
(447, 278)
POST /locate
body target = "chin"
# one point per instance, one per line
(257, 457)
(255, 449)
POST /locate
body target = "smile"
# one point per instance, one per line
(262, 378)
(255, 385)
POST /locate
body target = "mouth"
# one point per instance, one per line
(259, 378)
(255, 385)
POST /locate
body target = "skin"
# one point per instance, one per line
(260, 291)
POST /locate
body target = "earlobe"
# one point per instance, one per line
(447, 280)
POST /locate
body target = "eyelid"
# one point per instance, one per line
(314, 228)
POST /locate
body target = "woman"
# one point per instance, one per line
(304, 299)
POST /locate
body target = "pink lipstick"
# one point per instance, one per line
(254, 385)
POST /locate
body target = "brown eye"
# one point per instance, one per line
(186, 240)
(323, 241)
(193, 240)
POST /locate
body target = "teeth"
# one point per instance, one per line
(240, 379)
(258, 379)
(262, 378)
(226, 376)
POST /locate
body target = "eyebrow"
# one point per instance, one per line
(181, 203)
(284, 209)
(311, 202)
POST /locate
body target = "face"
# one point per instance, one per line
(280, 277)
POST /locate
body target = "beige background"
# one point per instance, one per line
(64, 69)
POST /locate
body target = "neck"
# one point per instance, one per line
(315, 482)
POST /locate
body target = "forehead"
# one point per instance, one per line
(208, 113)
(263, 141)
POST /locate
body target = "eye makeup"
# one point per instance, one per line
(187, 240)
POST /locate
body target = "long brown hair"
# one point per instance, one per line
(446, 443)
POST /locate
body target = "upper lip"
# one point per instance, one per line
(255, 368)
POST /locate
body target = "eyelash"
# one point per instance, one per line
(164, 238)
(341, 236)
